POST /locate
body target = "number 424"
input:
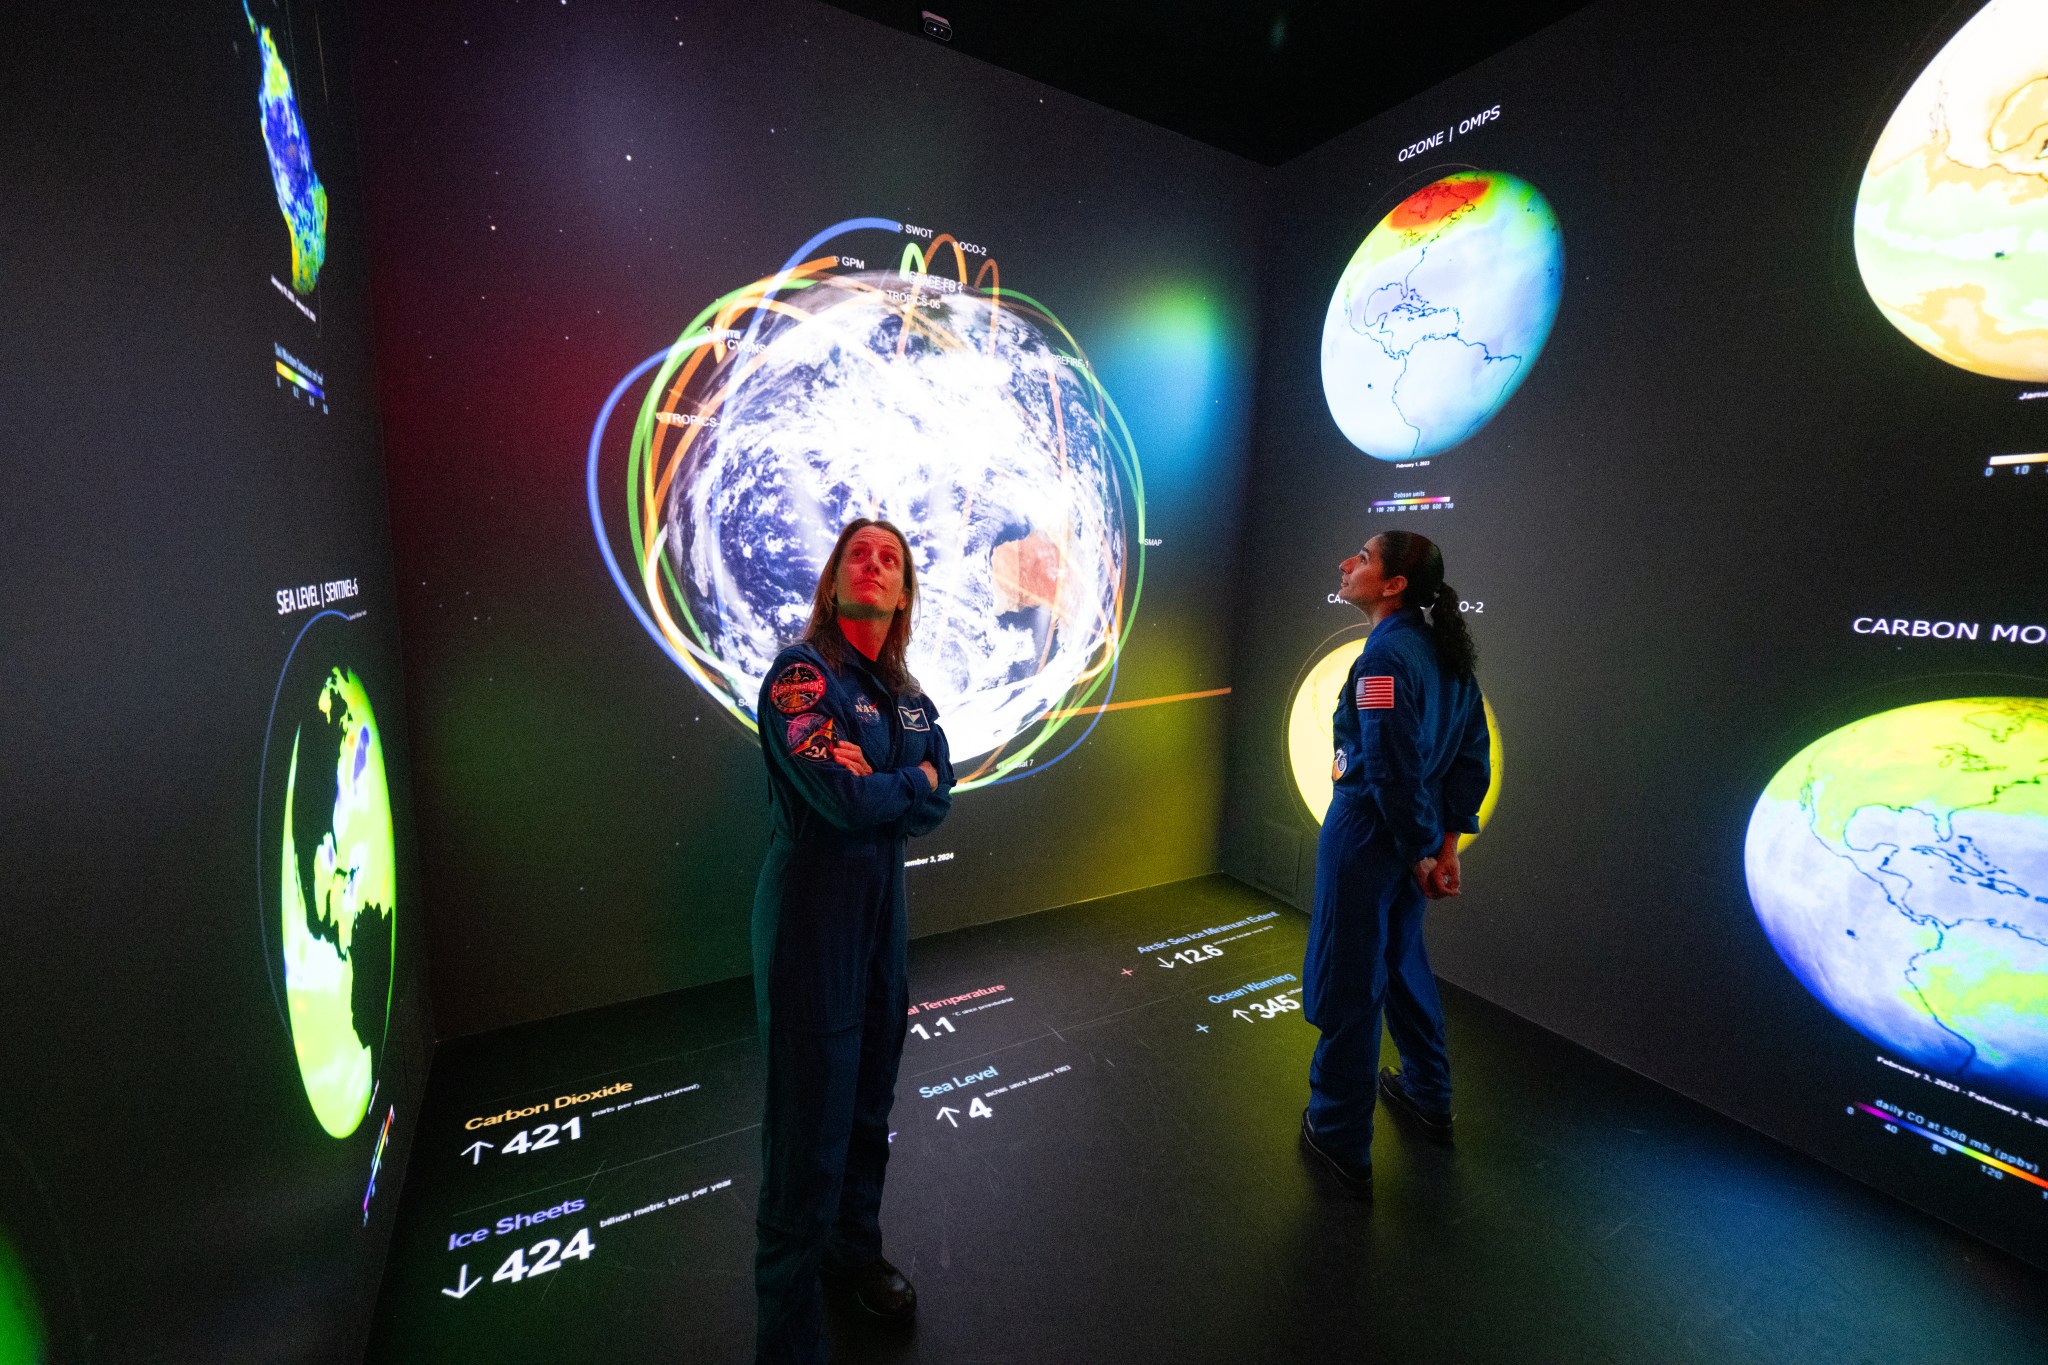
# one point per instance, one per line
(548, 1254)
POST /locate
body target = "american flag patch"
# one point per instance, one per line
(1375, 694)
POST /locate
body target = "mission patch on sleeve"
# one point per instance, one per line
(811, 736)
(798, 687)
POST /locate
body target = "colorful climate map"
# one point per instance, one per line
(1441, 313)
(1900, 867)
(1952, 216)
(338, 894)
(299, 192)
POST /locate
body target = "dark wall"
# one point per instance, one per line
(1724, 456)
(168, 1190)
(559, 192)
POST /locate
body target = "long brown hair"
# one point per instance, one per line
(822, 633)
(1415, 557)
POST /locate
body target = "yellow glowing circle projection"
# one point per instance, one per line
(1311, 738)
(1952, 215)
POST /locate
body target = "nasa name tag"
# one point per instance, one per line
(913, 718)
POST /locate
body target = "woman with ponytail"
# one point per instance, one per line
(1409, 772)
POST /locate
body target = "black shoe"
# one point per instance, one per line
(1354, 1180)
(1435, 1127)
(878, 1287)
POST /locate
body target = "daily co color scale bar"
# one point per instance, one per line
(1933, 1136)
(300, 380)
(1409, 504)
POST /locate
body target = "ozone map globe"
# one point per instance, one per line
(952, 414)
(338, 894)
(1900, 867)
(1441, 313)
(1952, 215)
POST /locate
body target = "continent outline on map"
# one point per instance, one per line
(1967, 943)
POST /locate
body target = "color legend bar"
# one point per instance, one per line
(300, 381)
(1998, 461)
(1414, 504)
(1935, 1137)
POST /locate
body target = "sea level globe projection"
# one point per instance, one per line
(1899, 866)
(300, 195)
(1441, 313)
(1312, 735)
(337, 888)
(957, 409)
(1951, 222)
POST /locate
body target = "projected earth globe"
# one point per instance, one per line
(957, 419)
(1900, 867)
(1441, 313)
(1952, 216)
(338, 873)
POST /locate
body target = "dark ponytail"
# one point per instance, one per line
(1416, 558)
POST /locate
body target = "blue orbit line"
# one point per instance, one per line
(604, 545)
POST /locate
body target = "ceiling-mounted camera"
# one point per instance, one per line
(937, 26)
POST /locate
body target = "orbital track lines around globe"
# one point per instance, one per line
(927, 393)
(1899, 865)
(1440, 314)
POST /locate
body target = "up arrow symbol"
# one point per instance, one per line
(946, 1112)
(475, 1152)
(463, 1284)
(1242, 1015)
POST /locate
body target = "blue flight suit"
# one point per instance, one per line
(1411, 765)
(831, 982)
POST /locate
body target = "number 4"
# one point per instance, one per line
(979, 1110)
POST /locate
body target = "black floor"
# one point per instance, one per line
(1113, 1177)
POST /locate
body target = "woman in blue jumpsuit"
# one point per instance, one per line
(856, 764)
(1409, 771)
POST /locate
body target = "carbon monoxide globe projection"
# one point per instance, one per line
(1952, 217)
(1900, 867)
(927, 393)
(1441, 313)
(1312, 735)
(332, 872)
